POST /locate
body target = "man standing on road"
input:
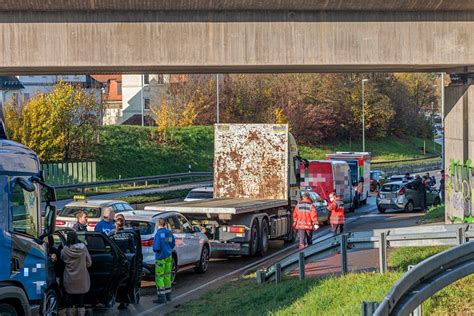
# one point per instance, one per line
(107, 224)
(421, 189)
(305, 220)
(81, 224)
(163, 247)
(337, 214)
(441, 185)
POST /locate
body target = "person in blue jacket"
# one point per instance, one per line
(163, 247)
(107, 223)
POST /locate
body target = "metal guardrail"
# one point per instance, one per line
(427, 278)
(146, 180)
(436, 235)
(375, 163)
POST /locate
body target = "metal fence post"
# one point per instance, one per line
(260, 275)
(278, 273)
(301, 263)
(343, 250)
(461, 235)
(383, 252)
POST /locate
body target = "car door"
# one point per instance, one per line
(129, 243)
(182, 246)
(191, 240)
(109, 268)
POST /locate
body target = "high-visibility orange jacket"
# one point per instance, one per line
(336, 213)
(305, 215)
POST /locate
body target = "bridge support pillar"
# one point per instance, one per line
(459, 151)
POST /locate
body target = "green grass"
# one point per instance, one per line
(154, 197)
(382, 150)
(333, 295)
(133, 151)
(434, 215)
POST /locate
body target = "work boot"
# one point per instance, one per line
(81, 311)
(70, 311)
(161, 299)
(168, 296)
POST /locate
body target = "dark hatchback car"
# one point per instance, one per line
(116, 270)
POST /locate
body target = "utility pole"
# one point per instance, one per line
(442, 121)
(142, 100)
(217, 96)
(363, 114)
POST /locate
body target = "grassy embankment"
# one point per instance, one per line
(434, 215)
(332, 295)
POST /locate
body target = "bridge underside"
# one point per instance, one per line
(234, 41)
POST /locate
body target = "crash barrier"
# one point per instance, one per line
(427, 278)
(436, 235)
(175, 177)
(375, 163)
(63, 173)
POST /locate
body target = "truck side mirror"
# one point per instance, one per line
(49, 220)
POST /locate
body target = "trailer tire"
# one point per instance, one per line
(7, 309)
(263, 248)
(254, 240)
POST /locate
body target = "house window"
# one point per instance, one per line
(160, 79)
(146, 79)
(147, 104)
(119, 87)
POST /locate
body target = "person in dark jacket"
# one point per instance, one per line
(76, 277)
(441, 184)
(420, 187)
(163, 247)
(81, 224)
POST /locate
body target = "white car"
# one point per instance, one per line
(197, 194)
(192, 247)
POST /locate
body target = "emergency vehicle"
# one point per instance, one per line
(359, 162)
(325, 177)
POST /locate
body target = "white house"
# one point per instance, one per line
(10, 88)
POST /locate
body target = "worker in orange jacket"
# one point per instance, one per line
(336, 210)
(305, 220)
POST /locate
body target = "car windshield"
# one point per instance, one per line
(71, 211)
(390, 188)
(145, 228)
(199, 195)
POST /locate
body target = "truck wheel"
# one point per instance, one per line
(263, 249)
(203, 263)
(7, 309)
(254, 240)
(291, 236)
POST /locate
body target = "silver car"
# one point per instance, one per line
(192, 246)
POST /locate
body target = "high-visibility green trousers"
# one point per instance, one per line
(163, 275)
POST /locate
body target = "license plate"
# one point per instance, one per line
(385, 201)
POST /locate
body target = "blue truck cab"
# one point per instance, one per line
(24, 269)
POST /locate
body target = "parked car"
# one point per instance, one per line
(94, 208)
(377, 179)
(401, 178)
(403, 196)
(321, 206)
(116, 269)
(197, 194)
(192, 246)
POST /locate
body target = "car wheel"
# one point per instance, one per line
(409, 207)
(203, 263)
(381, 210)
(174, 269)
(263, 249)
(50, 304)
(7, 309)
(437, 201)
(254, 238)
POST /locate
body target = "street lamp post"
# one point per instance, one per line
(442, 120)
(142, 100)
(217, 96)
(363, 114)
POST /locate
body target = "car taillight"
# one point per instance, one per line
(236, 229)
(92, 224)
(402, 191)
(60, 223)
(147, 243)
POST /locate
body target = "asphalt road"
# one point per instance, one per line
(221, 270)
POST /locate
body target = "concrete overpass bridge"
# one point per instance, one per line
(172, 36)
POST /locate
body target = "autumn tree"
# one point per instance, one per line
(61, 125)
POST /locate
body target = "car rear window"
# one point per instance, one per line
(199, 195)
(93, 212)
(390, 188)
(145, 228)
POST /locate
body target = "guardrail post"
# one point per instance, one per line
(383, 252)
(343, 250)
(146, 183)
(461, 235)
(417, 311)
(278, 273)
(301, 263)
(260, 276)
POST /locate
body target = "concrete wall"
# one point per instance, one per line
(234, 41)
